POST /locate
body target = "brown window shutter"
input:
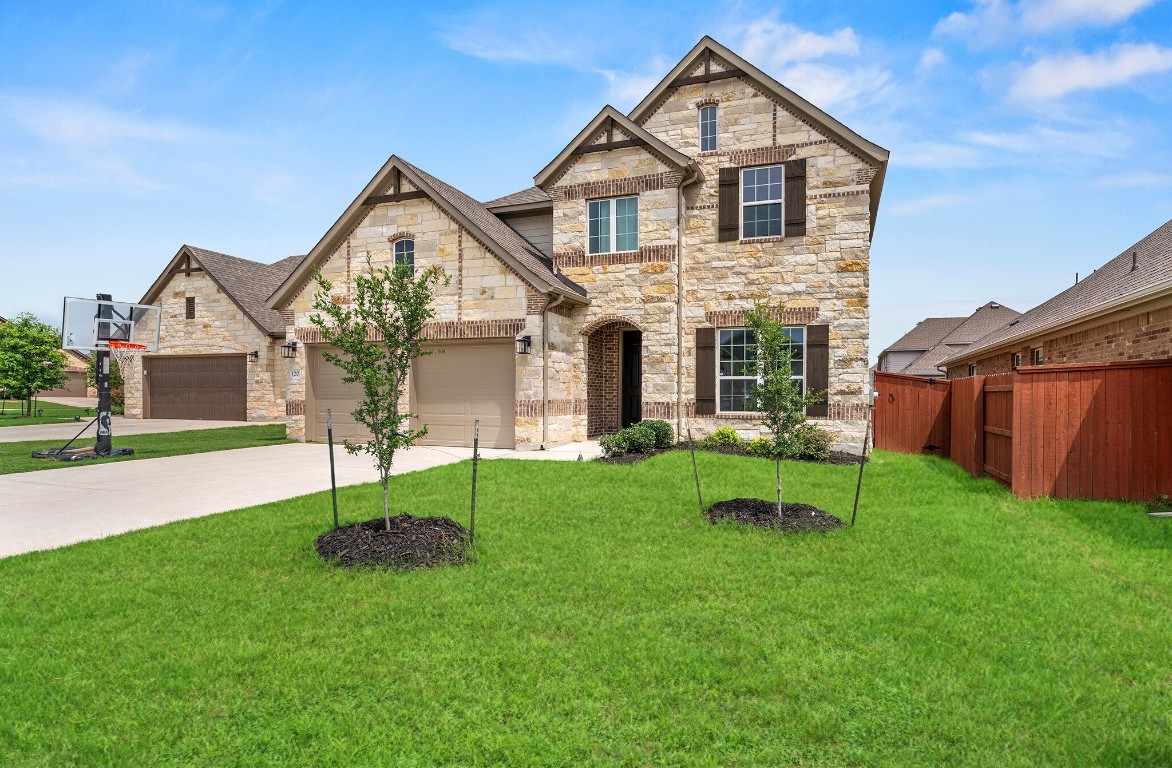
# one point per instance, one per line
(795, 197)
(818, 367)
(705, 371)
(729, 219)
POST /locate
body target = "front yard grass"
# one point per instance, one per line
(51, 413)
(605, 623)
(17, 457)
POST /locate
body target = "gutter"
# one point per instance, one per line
(545, 369)
(1122, 302)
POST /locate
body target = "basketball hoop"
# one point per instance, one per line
(125, 352)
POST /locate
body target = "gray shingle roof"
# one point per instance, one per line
(502, 234)
(1112, 282)
(524, 197)
(979, 324)
(249, 283)
(928, 333)
(925, 364)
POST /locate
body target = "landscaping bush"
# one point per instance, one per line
(762, 447)
(665, 436)
(807, 443)
(725, 437)
(640, 438)
(613, 445)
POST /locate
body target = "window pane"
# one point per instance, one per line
(735, 394)
(707, 129)
(627, 224)
(405, 253)
(762, 220)
(599, 216)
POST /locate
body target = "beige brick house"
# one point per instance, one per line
(219, 345)
(616, 288)
(1121, 312)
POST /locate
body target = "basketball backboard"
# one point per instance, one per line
(91, 324)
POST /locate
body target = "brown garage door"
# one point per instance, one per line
(449, 390)
(204, 387)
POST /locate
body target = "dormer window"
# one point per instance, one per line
(613, 225)
(405, 253)
(708, 128)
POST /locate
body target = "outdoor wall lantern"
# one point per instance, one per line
(254, 356)
(289, 350)
(524, 345)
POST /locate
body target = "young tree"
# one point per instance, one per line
(378, 336)
(31, 359)
(779, 396)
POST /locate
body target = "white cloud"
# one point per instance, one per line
(81, 125)
(772, 44)
(626, 89)
(930, 203)
(1053, 77)
(1138, 180)
(930, 59)
(991, 22)
(837, 88)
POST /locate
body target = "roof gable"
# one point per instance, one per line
(512, 249)
(926, 334)
(608, 120)
(247, 283)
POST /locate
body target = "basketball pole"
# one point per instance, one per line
(105, 442)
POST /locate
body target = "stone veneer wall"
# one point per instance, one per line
(219, 327)
(1143, 336)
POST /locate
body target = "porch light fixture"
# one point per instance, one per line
(289, 350)
(254, 356)
(524, 344)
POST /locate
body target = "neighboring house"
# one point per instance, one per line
(1120, 312)
(76, 364)
(923, 348)
(219, 345)
(616, 288)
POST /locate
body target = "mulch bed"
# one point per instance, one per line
(795, 518)
(412, 542)
(838, 458)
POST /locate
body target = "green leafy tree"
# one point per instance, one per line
(378, 335)
(31, 359)
(779, 396)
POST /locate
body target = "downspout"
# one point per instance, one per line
(545, 368)
(681, 214)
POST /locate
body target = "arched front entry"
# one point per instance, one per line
(614, 377)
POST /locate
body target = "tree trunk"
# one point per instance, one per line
(777, 467)
(386, 503)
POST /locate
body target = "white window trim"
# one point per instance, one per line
(972, 369)
(757, 378)
(1036, 356)
(715, 124)
(395, 251)
(742, 204)
(613, 217)
(1016, 359)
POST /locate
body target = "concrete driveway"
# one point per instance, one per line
(121, 426)
(56, 507)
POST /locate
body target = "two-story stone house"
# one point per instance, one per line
(616, 288)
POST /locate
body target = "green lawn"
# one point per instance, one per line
(17, 457)
(606, 624)
(51, 413)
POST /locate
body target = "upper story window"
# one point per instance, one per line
(737, 370)
(762, 192)
(708, 129)
(972, 369)
(1037, 353)
(1016, 359)
(405, 253)
(613, 225)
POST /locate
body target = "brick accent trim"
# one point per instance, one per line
(846, 193)
(453, 329)
(535, 304)
(835, 412)
(735, 318)
(645, 254)
(288, 316)
(771, 239)
(294, 407)
(563, 407)
(761, 155)
(708, 102)
(562, 310)
(401, 236)
(606, 320)
(706, 207)
(613, 187)
(863, 176)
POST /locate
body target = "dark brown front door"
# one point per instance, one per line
(205, 387)
(632, 387)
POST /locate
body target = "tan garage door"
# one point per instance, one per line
(203, 387)
(74, 386)
(449, 390)
(462, 383)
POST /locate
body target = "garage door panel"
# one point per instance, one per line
(331, 393)
(197, 387)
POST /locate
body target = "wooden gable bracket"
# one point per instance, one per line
(707, 77)
(397, 194)
(186, 267)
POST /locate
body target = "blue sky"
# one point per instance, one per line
(1029, 140)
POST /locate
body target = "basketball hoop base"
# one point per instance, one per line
(79, 454)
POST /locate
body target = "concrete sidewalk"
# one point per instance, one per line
(122, 426)
(53, 508)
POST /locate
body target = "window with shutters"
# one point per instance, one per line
(613, 225)
(737, 370)
(189, 308)
(405, 253)
(762, 196)
(708, 129)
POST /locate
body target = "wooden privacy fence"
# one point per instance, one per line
(1100, 431)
